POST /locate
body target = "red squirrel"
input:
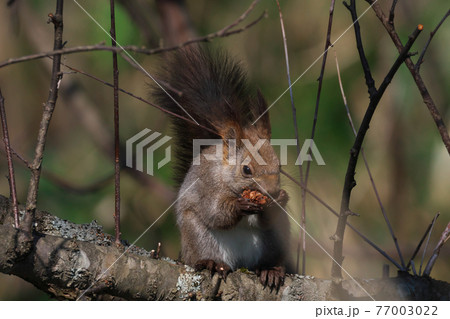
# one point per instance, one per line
(221, 230)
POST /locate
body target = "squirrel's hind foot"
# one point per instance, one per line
(272, 277)
(220, 267)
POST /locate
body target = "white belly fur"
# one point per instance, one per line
(240, 246)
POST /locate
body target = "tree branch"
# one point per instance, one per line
(392, 12)
(319, 91)
(302, 235)
(36, 165)
(411, 260)
(68, 258)
(432, 33)
(444, 237)
(116, 128)
(132, 48)
(370, 82)
(427, 99)
(11, 176)
(138, 97)
(366, 164)
(354, 153)
(328, 207)
(426, 244)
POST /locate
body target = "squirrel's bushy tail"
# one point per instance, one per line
(210, 88)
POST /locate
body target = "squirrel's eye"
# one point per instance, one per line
(246, 170)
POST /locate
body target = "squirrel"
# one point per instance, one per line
(221, 230)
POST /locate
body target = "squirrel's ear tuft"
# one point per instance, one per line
(261, 115)
(229, 134)
(231, 137)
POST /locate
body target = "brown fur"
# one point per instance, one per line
(214, 222)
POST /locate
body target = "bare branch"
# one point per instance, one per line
(11, 176)
(241, 18)
(392, 12)
(302, 235)
(370, 82)
(428, 240)
(36, 166)
(427, 99)
(444, 237)
(163, 83)
(375, 189)
(432, 33)
(354, 153)
(69, 257)
(136, 97)
(132, 48)
(116, 128)
(421, 242)
(328, 207)
(319, 90)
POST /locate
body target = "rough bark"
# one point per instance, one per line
(67, 258)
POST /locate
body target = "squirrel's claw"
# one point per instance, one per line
(248, 207)
(272, 277)
(220, 267)
(205, 264)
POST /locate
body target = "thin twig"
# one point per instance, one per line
(320, 80)
(132, 48)
(20, 157)
(319, 91)
(137, 97)
(370, 82)
(392, 12)
(421, 242)
(11, 176)
(36, 166)
(444, 237)
(302, 186)
(427, 99)
(413, 268)
(426, 244)
(432, 33)
(302, 236)
(116, 128)
(328, 207)
(372, 181)
(241, 18)
(163, 83)
(354, 154)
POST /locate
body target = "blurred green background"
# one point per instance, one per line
(410, 165)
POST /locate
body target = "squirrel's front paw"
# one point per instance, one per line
(272, 277)
(220, 267)
(246, 206)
